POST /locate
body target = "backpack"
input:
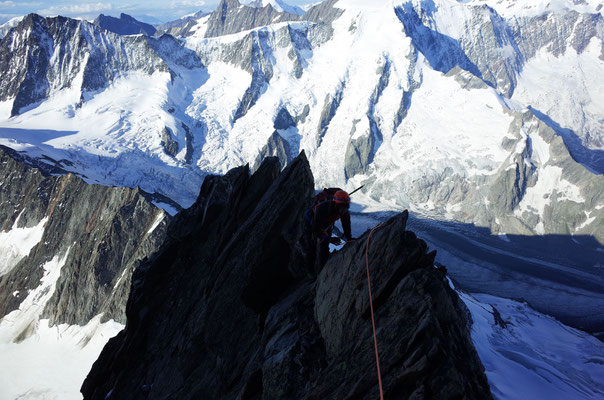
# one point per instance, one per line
(325, 195)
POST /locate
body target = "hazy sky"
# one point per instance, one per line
(147, 10)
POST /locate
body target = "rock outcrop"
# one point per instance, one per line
(227, 308)
(99, 232)
(124, 25)
(232, 17)
(276, 146)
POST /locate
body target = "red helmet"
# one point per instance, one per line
(341, 197)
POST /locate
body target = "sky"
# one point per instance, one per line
(152, 11)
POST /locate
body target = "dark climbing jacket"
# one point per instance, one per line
(322, 217)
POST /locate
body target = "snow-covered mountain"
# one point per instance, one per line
(180, 26)
(481, 112)
(278, 5)
(8, 25)
(400, 96)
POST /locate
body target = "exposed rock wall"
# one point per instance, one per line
(102, 231)
(124, 25)
(231, 17)
(228, 309)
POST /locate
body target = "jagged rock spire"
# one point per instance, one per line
(228, 308)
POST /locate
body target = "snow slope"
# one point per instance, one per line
(8, 25)
(53, 362)
(278, 5)
(511, 8)
(528, 355)
(16, 243)
(111, 133)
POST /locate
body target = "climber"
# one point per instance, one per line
(330, 205)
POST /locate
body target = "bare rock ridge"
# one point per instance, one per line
(231, 16)
(227, 308)
(124, 25)
(99, 232)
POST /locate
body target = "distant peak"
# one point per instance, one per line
(277, 5)
(126, 17)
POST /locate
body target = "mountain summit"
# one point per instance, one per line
(278, 5)
(124, 25)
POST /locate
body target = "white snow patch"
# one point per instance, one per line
(534, 356)
(17, 243)
(277, 5)
(541, 153)
(5, 108)
(549, 181)
(166, 207)
(588, 220)
(117, 283)
(48, 362)
(53, 364)
(158, 219)
(24, 321)
(504, 237)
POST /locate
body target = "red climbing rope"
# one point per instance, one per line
(377, 357)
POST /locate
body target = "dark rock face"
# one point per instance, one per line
(232, 17)
(276, 146)
(124, 25)
(170, 49)
(102, 232)
(168, 143)
(283, 120)
(227, 309)
(330, 106)
(325, 12)
(358, 153)
(261, 68)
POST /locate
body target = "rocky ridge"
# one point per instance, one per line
(228, 308)
(124, 25)
(180, 27)
(232, 17)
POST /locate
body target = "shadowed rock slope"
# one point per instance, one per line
(227, 309)
(100, 233)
